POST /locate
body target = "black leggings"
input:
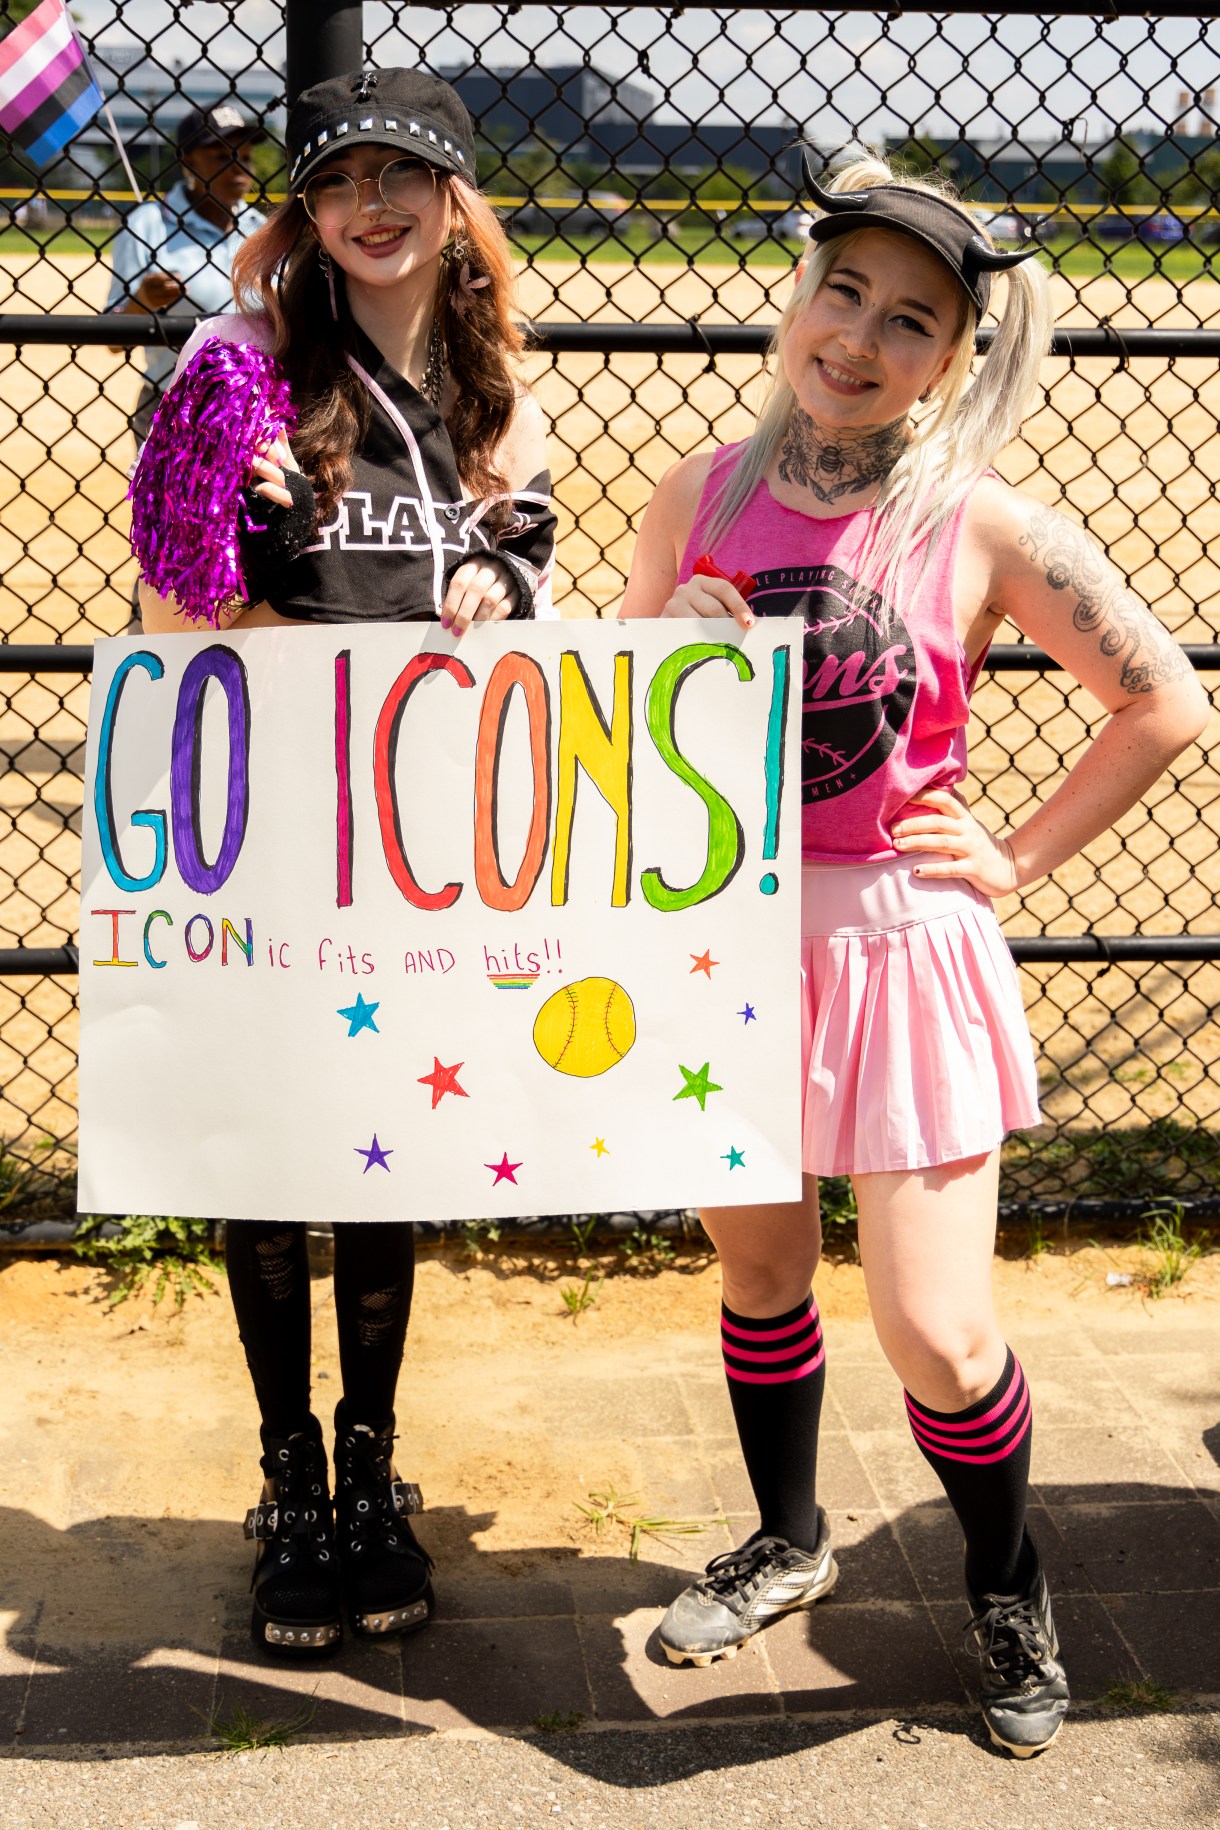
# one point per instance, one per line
(268, 1267)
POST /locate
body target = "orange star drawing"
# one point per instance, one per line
(704, 962)
(442, 1080)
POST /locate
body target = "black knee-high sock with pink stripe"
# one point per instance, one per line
(982, 1457)
(776, 1369)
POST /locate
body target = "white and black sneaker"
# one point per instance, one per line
(1023, 1689)
(744, 1590)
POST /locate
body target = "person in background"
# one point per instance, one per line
(174, 254)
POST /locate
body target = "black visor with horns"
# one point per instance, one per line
(936, 222)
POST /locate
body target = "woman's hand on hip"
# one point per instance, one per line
(940, 822)
(481, 591)
(702, 596)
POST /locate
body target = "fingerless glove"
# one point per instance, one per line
(269, 537)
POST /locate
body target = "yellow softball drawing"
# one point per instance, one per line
(585, 1028)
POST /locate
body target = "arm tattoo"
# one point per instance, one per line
(1102, 603)
(813, 457)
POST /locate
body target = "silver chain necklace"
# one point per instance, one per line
(433, 384)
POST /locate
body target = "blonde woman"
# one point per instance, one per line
(865, 502)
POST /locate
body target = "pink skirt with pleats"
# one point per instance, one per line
(915, 1049)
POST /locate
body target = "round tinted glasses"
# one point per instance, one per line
(332, 198)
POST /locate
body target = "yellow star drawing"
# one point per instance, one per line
(599, 1144)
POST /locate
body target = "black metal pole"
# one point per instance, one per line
(325, 38)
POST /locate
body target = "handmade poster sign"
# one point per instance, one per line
(376, 925)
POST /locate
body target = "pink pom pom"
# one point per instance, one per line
(229, 403)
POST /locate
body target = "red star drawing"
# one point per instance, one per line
(504, 1171)
(442, 1080)
(704, 962)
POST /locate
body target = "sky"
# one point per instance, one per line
(837, 76)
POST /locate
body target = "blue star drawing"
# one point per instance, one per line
(748, 1014)
(375, 1154)
(734, 1158)
(360, 1016)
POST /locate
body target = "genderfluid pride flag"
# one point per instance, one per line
(47, 91)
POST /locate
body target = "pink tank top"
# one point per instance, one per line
(887, 687)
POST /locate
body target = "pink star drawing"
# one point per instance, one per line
(504, 1171)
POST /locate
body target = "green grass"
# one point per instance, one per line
(1172, 1255)
(1140, 1693)
(241, 1733)
(577, 1298)
(703, 243)
(61, 241)
(559, 1722)
(1133, 260)
(690, 247)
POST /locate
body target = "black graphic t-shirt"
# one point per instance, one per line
(885, 693)
(403, 526)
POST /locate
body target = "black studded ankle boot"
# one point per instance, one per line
(385, 1569)
(296, 1581)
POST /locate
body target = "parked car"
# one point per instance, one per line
(1003, 225)
(787, 225)
(1111, 228)
(559, 216)
(1162, 228)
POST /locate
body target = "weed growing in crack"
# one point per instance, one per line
(239, 1732)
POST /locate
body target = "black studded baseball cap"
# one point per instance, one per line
(935, 221)
(419, 115)
(226, 121)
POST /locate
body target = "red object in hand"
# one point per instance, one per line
(705, 567)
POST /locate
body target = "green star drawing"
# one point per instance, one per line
(698, 1086)
(734, 1158)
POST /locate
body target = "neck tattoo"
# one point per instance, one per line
(832, 466)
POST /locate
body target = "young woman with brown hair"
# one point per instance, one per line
(416, 485)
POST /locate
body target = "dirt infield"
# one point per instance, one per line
(1133, 448)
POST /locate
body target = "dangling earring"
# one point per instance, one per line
(328, 268)
(463, 288)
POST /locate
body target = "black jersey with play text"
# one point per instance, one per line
(403, 526)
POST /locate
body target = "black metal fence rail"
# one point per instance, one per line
(694, 337)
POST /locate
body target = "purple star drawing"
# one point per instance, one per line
(375, 1154)
(748, 1014)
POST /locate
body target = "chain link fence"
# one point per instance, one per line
(646, 163)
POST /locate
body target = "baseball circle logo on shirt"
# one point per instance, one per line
(859, 673)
